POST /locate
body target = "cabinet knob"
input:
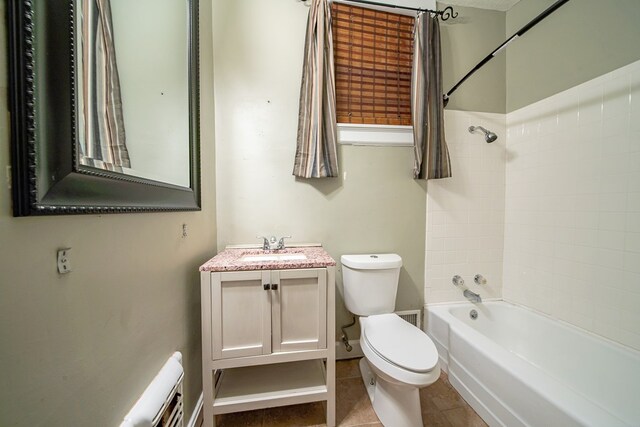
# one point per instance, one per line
(274, 287)
(266, 286)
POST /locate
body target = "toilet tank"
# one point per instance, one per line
(370, 283)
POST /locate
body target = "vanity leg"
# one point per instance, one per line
(207, 371)
(331, 388)
(209, 419)
(331, 358)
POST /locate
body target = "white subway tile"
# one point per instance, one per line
(607, 315)
(613, 221)
(455, 244)
(632, 242)
(437, 283)
(613, 202)
(608, 277)
(633, 219)
(443, 295)
(633, 202)
(455, 257)
(591, 105)
(631, 281)
(611, 258)
(618, 183)
(435, 244)
(617, 96)
(611, 239)
(434, 258)
(586, 219)
(434, 272)
(633, 182)
(632, 262)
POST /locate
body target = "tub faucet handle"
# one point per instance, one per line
(457, 280)
(479, 279)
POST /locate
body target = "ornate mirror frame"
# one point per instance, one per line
(46, 178)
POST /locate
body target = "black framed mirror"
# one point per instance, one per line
(104, 99)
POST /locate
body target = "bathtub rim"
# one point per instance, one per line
(613, 343)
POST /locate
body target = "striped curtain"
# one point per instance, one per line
(102, 140)
(316, 152)
(427, 106)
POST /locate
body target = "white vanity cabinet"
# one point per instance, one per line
(262, 312)
(267, 339)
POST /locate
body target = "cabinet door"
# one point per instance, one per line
(299, 309)
(241, 314)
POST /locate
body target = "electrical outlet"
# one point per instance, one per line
(64, 260)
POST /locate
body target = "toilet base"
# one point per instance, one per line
(395, 405)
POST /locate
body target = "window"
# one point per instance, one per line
(373, 53)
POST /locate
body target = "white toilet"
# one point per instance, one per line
(399, 358)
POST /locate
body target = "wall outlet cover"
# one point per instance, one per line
(64, 260)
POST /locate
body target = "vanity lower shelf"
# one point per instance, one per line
(264, 386)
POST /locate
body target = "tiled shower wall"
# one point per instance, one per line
(572, 222)
(465, 213)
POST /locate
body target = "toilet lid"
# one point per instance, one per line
(401, 343)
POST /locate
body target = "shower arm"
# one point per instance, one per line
(548, 11)
(473, 128)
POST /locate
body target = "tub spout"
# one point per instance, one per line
(472, 296)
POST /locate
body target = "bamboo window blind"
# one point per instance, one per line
(373, 54)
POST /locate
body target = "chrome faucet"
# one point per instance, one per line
(472, 296)
(272, 243)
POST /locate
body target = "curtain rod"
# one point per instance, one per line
(548, 11)
(444, 14)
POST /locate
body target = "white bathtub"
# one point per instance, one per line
(519, 368)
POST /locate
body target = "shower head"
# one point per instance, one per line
(488, 135)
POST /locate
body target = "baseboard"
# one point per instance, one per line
(196, 417)
(342, 353)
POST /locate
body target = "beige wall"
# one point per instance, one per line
(79, 349)
(375, 206)
(466, 40)
(581, 40)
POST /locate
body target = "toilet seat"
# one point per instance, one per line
(400, 343)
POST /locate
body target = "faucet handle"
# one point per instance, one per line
(265, 242)
(457, 280)
(479, 279)
(281, 241)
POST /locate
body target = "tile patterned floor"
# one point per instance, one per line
(442, 406)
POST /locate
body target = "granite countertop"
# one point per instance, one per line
(231, 259)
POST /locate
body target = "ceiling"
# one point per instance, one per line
(502, 5)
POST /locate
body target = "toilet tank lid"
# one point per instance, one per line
(372, 261)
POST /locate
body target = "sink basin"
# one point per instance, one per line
(273, 257)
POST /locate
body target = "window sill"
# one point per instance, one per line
(375, 135)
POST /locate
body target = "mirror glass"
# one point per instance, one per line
(132, 88)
